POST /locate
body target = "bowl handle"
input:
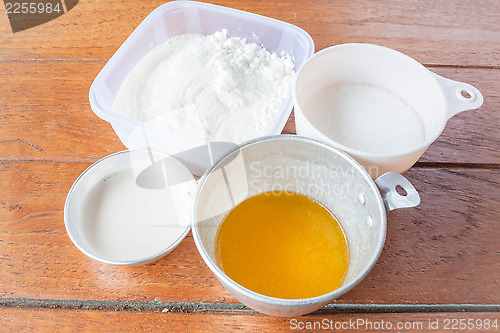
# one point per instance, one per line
(460, 96)
(387, 184)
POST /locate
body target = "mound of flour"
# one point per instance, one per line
(208, 87)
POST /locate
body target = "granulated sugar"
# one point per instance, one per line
(366, 118)
(208, 87)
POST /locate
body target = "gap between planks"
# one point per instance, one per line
(104, 60)
(418, 165)
(236, 308)
(453, 165)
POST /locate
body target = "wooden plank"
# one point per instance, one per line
(48, 117)
(438, 32)
(466, 137)
(15, 320)
(442, 252)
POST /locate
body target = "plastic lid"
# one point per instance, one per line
(130, 207)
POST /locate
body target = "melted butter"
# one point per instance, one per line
(283, 245)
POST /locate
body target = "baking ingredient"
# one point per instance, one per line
(123, 221)
(212, 87)
(283, 244)
(365, 117)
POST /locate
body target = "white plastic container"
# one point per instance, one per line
(189, 17)
(435, 98)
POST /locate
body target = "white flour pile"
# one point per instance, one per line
(208, 87)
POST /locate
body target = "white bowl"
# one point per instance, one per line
(130, 233)
(434, 98)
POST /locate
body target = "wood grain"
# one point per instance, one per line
(441, 32)
(15, 320)
(48, 117)
(443, 253)
(430, 257)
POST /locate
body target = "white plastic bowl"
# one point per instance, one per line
(435, 99)
(189, 17)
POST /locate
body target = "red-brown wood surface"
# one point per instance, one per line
(441, 256)
(13, 320)
(429, 257)
(442, 33)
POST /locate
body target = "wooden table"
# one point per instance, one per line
(440, 262)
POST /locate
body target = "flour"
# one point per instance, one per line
(208, 87)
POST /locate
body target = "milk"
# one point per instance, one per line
(124, 221)
(366, 118)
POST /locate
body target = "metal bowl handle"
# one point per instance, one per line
(387, 184)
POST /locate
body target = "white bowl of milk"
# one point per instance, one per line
(376, 104)
(131, 207)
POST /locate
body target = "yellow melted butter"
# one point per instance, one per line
(283, 245)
